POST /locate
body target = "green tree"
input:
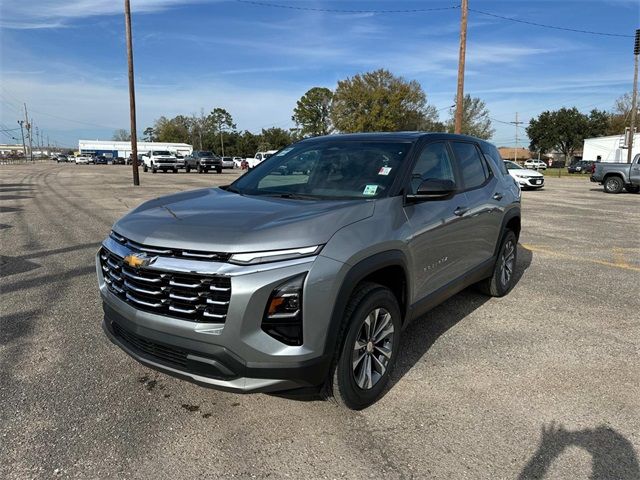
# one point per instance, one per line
(379, 101)
(221, 119)
(149, 134)
(599, 123)
(563, 130)
(313, 112)
(175, 130)
(475, 118)
(121, 135)
(274, 139)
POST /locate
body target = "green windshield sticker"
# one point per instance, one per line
(370, 190)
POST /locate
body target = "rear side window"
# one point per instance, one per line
(492, 153)
(473, 167)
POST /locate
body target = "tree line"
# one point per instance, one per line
(368, 102)
(379, 101)
(564, 130)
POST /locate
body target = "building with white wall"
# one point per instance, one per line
(609, 149)
(113, 149)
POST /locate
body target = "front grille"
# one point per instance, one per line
(170, 252)
(171, 355)
(199, 298)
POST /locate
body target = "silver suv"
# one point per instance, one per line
(305, 270)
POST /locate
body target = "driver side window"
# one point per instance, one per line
(434, 163)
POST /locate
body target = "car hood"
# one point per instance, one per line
(525, 173)
(220, 221)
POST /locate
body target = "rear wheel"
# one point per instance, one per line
(501, 280)
(370, 347)
(632, 188)
(613, 184)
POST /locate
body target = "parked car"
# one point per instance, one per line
(101, 160)
(582, 166)
(525, 177)
(227, 162)
(616, 176)
(118, 161)
(279, 282)
(203, 161)
(535, 164)
(159, 160)
(237, 161)
(60, 158)
(84, 160)
(260, 157)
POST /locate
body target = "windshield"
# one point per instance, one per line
(204, 154)
(336, 169)
(227, 159)
(513, 166)
(161, 152)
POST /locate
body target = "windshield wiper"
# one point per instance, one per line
(231, 189)
(295, 196)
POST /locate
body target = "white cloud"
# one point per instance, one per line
(29, 14)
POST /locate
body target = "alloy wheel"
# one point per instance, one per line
(508, 262)
(373, 348)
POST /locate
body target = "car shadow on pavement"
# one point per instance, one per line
(423, 332)
(612, 455)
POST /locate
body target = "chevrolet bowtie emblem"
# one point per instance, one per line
(137, 260)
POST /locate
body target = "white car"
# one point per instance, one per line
(535, 164)
(525, 178)
(84, 160)
(159, 160)
(228, 162)
(259, 157)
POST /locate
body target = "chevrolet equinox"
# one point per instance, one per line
(305, 270)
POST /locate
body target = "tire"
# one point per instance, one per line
(501, 280)
(144, 168)
(350, 386)
(175, 170)
(219, 169)
(187, 169)
(632, 188)
(613, 184)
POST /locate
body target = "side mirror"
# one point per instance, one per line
(433, 189)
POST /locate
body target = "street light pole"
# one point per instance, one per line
(464, 6)
(132, 94)
(634, 98)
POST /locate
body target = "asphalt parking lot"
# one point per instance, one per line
(544, 383)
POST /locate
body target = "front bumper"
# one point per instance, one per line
(537, 182)
(236, 355)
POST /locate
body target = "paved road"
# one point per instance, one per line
(544, 383)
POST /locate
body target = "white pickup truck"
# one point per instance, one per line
(259, 157)
(155, 160)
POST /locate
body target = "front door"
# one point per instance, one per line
(439, 240)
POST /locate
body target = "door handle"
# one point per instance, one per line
(497, 196)
(460, 211)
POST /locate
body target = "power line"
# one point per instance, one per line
(535, 24)
(339, 10)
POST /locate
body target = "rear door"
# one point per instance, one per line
(484, 202)
(634, 173)
(439, 240)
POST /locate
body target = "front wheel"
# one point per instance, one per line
(613, 185)
(219, 169)
(368, 353)
(145, 169)
(502, 279)
(175, 170)
(187, 169)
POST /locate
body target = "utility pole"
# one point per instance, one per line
(29, 134)
(634, 98)
(24, 147)
(464, 7)
(132, 94)
(515, 151)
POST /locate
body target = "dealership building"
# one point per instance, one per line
(113, 149)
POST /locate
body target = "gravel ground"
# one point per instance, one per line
(544, 383)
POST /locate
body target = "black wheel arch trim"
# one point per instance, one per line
(358, 272)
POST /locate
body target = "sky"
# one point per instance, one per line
(67, 60)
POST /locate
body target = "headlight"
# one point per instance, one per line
(282, 318)
(274, 255)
